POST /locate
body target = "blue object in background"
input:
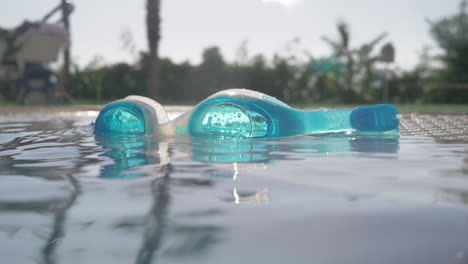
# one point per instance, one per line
(239, 113)
(35, 71)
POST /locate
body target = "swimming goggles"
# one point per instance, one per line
(238, 113)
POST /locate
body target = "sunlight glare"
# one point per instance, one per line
(287, 3)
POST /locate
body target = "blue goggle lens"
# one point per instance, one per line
(121, 119)
(228, 118)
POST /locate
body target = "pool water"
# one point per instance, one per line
(68, 197)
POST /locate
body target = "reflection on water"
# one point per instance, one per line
(238, 197)
(68, 197)
(228, 150)
(126, 155)
(58, 226)
(130, 153)
(156, 220)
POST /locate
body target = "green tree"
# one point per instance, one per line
(209, 76)
(121, 80)
(451, 34)
(358, 62)
(174, 79)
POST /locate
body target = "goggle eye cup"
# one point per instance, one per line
(228, 117)
(120, 119)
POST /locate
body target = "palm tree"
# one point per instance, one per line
(153, 35)
(357, 61)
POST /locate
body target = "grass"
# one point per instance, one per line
(7, 103)
(404, 108)
(81, 102)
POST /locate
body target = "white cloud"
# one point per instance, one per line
(287, 3)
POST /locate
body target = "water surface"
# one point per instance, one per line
(68, 197)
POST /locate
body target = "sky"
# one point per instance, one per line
(267, 26)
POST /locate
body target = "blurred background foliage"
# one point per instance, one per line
(347, 75)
